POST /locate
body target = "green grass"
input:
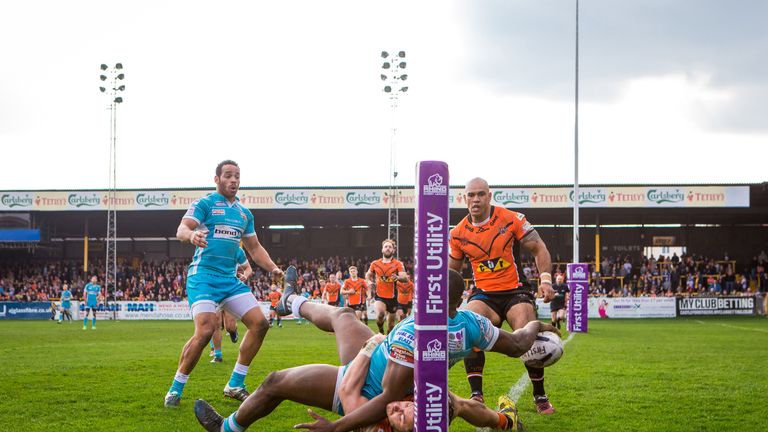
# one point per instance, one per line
(624, 375)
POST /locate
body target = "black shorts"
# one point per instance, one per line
(405, 307)
(554, 307)
(358, 307)
(391, 303)
(501, 302)
(335, 304)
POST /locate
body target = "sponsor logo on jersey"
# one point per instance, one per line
(456, 341)
(218, 212)
(492, 265)
(220, 204)
(401, 354)
(226, 232)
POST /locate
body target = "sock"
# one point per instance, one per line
(296, 305)
(212, 347)
(231, 425)
(178, 383)
(504, 422)
(238, 375)
(85, 321)
(474, 365)
(93, 321)
(278, 321)
(270, 321)
(537, 380)
(217, 353)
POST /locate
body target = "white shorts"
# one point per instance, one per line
(237, 305)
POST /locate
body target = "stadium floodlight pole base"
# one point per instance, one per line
(431, 297)
(578, 284)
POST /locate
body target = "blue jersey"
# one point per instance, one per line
(92, 294)
(227, 223)
(466, 330)
(66, 296)
(241, 259)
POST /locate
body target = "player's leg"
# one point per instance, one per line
(312, 385)
(245, 306)
(85, 317)
(518, 316)
(477, 414)
(560, 317)
(381, 311)
(229, 323)
(400, 314)
(391, 314)
(216, 341)
(474, 364)
(204, 315)
(554, 318)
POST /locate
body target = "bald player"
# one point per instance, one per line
(489, 237)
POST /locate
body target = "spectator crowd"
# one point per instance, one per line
(32, 280)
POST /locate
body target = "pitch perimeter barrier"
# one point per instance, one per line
(25, 310)
(697, 306)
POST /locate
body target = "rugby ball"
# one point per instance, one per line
(546, 351)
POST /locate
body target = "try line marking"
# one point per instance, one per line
(733, 326)
(517, 390)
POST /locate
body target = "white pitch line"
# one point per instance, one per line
(733, 326)
(517, 390)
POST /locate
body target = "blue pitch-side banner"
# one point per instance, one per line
(431, 297)
(25, 311)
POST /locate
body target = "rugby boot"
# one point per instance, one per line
(208, 418)
(172, 399)
(239, 393)
(543, 406)
(508, 407)
(290, 278)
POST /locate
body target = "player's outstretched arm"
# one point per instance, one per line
(520, 341)
(354, 378)
(260, 256)
(396, 382)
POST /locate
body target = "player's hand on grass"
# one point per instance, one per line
(320, 425)
(550, 328)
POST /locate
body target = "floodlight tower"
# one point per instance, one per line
(113, 77)
(394, 77)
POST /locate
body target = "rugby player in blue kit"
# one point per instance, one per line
(386, 381)
(215, 225)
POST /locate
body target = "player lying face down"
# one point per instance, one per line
(385, 381)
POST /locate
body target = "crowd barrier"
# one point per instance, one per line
(609, 307)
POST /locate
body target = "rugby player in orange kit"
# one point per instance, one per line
(487, 237)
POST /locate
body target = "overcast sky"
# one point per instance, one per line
(672, 91)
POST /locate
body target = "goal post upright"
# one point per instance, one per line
(431, 223)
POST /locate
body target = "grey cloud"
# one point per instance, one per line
(528, 47)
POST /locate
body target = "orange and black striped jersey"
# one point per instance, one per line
(386, 275)
(359, 286)
(332, 291)
(489, 248)
(274, 297)
(405, 292)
